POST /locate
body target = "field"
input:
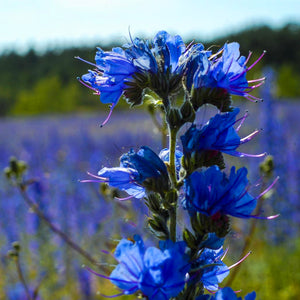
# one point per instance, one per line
(60, 150)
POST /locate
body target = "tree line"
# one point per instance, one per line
(35, 83)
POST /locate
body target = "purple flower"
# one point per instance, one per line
(218, 134)
(211, 192)
(158, 273)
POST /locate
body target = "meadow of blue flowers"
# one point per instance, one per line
(61, 150)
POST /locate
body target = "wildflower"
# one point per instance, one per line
(112, 69)
(217, 135)
(210, 192)
(139, 65)
(158, 273)
(138, 171)
(227, 71)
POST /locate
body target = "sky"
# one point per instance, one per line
(46, 24)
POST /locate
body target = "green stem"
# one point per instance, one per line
(172, 171)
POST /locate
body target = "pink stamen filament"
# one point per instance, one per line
(88, 86)
(109, 115)
(240, 261)
(92, 64)
(242, 119)
(268, 189)
(124, 199)
(250, 136)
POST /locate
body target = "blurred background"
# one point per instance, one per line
(52, 122)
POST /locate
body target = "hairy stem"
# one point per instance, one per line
(172, 172)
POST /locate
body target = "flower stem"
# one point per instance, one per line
(46, 219)
(172, 172)
(22, 279)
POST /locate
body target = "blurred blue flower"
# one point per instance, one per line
(218, 134)
(158, 273)
(226, 294)
(211, 192)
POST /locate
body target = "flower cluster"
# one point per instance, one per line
(188, 176)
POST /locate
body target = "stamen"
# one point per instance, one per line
(225, 253)
(248, 57)
(109, 115)
(240, 261)
(268, 189)
(261, 56)
(92, 64)
(124, 199)
(242, 119)
(256, 80)
(87, 85)
(250, 136)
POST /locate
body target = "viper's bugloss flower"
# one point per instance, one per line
(227, 71)
(226, 294)
(159, 273)
(211, 192)
(112, 69)
(219, 135)
(213, 269)
(139, 65)
(138, 171)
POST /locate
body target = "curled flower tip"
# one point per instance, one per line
(109, 115)
(105, 251)
(240, 261)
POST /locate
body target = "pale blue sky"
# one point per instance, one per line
(40, 23)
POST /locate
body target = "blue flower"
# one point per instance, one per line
(138, 171)
(213, 269)
(211, 192)
(128, 71)
(226, 294)
(112, 69)
(218, 134)
(227, 71)
(158, 273)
